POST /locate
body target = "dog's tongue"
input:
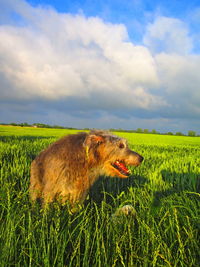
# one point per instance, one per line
(122, 167)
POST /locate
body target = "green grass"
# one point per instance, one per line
(164, 190)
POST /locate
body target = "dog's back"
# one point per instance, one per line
(61, 163)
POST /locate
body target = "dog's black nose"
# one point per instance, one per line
(141, 159)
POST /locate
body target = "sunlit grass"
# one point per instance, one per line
(164, 190)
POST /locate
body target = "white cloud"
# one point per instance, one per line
(60, 55)
(179, 76)
(170, 35)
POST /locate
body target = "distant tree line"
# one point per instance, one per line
(139, 130)
(37, 125)
(146, 131)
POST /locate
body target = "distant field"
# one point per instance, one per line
(31, 131)
(164, 190)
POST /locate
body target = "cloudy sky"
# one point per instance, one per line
(101, 64)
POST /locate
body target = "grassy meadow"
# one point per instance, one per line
(164, 190)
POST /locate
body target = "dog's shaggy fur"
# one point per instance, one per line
(69, 167)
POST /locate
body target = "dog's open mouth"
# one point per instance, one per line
(121, 167)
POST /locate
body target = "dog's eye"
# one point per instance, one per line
(121, 146)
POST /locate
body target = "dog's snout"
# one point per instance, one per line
(134, 158)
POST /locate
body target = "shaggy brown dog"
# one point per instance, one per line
(69, 167)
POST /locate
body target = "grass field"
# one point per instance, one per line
(164, 190)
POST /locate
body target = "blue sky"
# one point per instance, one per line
(101, 64)
(129, 12)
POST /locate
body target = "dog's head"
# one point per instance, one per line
(111, 153)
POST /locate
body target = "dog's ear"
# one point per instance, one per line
(93, 139)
